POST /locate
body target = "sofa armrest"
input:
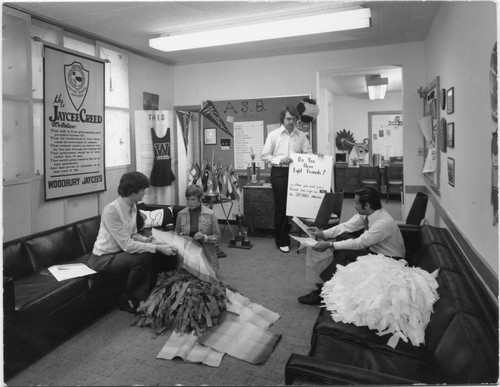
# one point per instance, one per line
(9, 295)
(320, 371)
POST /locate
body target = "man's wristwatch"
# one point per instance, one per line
(331, 245)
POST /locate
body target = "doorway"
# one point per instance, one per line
(345, 106)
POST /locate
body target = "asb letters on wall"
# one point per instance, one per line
(73, 123)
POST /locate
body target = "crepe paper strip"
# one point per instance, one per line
(385, 295)
(187, 348)
(240, 339)
(188, 304)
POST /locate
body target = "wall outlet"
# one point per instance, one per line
(420, 151)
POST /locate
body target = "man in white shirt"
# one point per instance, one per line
(120, 250)
(380, 234)
(280, 143)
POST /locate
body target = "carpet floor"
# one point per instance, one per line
(111, 352)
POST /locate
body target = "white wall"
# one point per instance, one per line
(352, 113)
(299, 74)
(25, 210)
(458, 49)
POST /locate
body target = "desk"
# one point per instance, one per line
(258, 207)
(346, 178)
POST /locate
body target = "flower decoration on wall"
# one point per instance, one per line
(344, 140)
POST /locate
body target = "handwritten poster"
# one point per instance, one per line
(73, 124)
(248, 136)
(309, 178)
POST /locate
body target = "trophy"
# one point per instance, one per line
(253, 171)
(241, 240)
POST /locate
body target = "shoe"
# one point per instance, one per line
(284, 249)
(128, 305)
(312, 298)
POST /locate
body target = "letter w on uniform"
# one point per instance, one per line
(162, 151)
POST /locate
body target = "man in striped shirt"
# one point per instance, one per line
(120, 249)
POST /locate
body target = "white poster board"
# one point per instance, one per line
(309, 178)
(73, 124)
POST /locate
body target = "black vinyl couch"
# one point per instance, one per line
(40, 312)
(461, 339)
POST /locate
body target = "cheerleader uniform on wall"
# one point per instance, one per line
(161, 174)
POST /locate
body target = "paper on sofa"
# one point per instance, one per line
(71, 270)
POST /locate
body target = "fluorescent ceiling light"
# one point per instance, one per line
(298, 26)
(376, 87)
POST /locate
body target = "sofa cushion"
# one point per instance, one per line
(467, 352)
(87, 231)
(356, 354)
(352, 333)
(16, 262)
(40, 294)
(58, 246)
(162, 217)
(435, 256)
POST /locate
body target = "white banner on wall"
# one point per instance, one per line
(309, 178)
(248, 137)
(73, 124)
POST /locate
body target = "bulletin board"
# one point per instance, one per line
(249, 121)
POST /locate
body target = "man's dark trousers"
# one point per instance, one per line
(343, 257)
(279, 182)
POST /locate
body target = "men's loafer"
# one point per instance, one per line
(284, 249)
(312, 298)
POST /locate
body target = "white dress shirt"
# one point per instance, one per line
(280, 143)
(118, 223)
(382, 237)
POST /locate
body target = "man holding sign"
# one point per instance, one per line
(280, 143)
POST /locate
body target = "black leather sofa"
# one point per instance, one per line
(40, 312)
(461, 339)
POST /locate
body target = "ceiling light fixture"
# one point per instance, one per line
(298, 26)
(376, 87)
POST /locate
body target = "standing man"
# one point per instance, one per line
(119, 249)
(280, 143)
(380, 234)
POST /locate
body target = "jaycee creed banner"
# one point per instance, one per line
(73, 123)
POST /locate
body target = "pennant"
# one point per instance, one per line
(183, 117)
(209, 111)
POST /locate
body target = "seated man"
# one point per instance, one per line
(119, 249)
(379, 235)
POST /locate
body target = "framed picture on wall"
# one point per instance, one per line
(451, 171)
(450, 134)
(211, 136)
(450, 100)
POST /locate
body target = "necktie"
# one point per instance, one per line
(366, 223)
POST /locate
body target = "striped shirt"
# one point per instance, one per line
(382, 237)
(118, 222)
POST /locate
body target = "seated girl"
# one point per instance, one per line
(199, 222)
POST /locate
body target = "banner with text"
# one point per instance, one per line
(309, 178)
(73, 124)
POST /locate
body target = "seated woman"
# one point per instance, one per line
(199, 222)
